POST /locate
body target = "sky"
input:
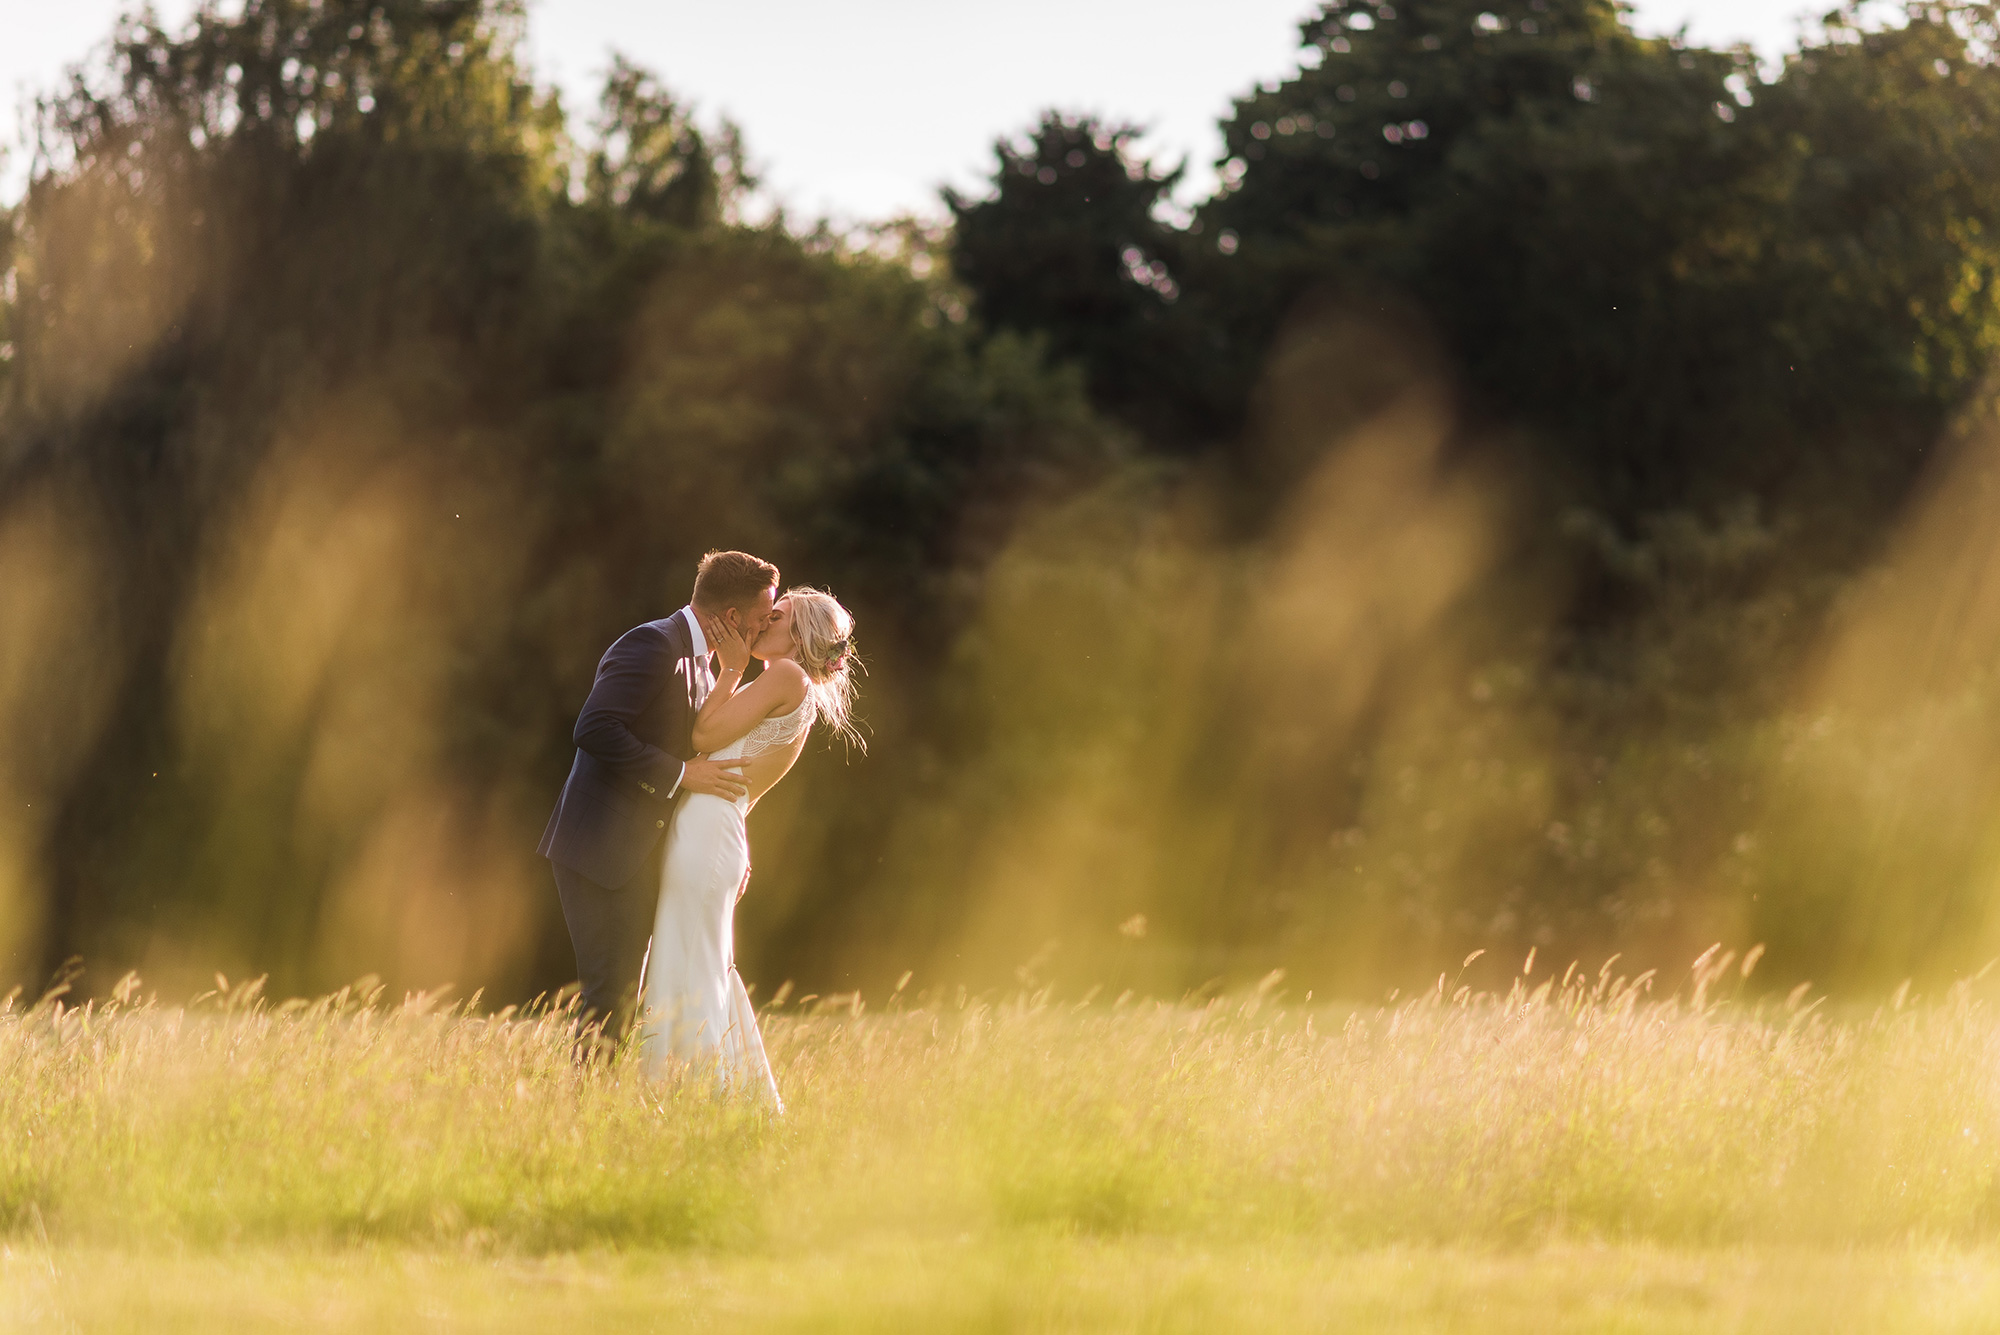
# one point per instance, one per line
(864, 109)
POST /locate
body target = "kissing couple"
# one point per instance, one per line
(673, 748)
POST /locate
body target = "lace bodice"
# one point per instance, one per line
(772, 734)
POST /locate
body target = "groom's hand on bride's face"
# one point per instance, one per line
(732, 642)
(717, 778)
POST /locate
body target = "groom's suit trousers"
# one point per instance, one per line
(609, 927)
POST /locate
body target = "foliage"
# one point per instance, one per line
(1437, 538)
(1069, 246)
(375, 426)
(653, 160)
(1810, 293)
(1704, 341)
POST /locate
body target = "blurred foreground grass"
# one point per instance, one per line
(1560, 1156)
(1016, 1284)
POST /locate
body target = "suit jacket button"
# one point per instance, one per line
(659, 825)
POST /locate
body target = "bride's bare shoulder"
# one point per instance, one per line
(789, 678)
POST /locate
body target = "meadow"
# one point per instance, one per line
(1580, 1151)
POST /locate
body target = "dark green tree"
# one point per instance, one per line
(1069, 245)
(1500, 169)
(655, 161)
(1688, 285)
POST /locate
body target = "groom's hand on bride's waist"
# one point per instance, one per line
(717, 778)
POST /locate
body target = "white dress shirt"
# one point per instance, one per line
(704, 671)
(701, 657)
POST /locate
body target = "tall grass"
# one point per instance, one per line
(1572, 1108)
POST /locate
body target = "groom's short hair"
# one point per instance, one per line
(731, 579)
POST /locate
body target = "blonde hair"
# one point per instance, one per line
(824, 633)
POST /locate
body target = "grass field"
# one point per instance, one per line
(1561, 1156)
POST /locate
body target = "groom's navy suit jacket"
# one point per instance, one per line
(632, 738)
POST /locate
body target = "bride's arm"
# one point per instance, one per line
(732, 708)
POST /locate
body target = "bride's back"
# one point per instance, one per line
(769, 749)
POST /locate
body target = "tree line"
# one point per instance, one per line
(1420, 544)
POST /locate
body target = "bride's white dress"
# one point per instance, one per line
(696, 1009)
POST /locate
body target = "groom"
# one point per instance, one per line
(634, 756)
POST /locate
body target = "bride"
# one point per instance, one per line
(695, 1006)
